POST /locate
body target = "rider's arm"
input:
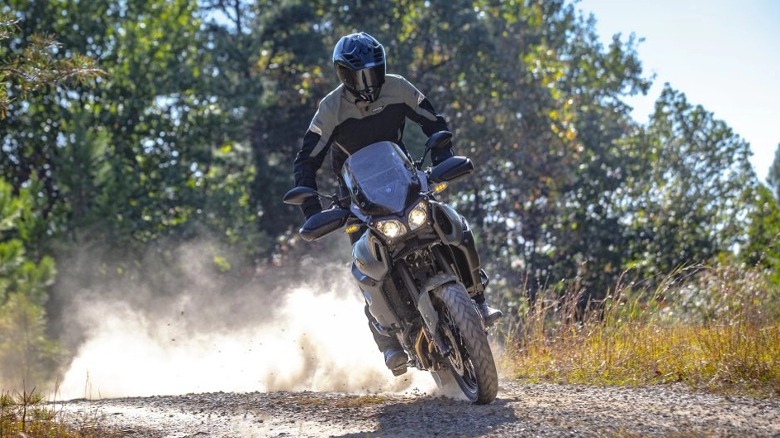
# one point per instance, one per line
(441, 154)
(305, 171)
(420, 110)
(314, 149)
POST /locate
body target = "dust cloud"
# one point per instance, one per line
(204, 337)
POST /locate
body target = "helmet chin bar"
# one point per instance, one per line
(370, 94)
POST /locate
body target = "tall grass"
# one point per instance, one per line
(28, 414)
(25, 414)
(710, 328)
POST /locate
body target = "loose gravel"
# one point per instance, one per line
(544, 410)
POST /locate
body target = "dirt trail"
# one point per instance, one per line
(520, 410)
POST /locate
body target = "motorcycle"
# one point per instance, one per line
(415, 260)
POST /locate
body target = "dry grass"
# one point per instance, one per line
(711, 328)
(25, 414)
(28, 415)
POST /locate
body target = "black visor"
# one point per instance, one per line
(364, 84)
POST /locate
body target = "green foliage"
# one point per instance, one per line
(773, 178)
(18, 272)
(26, 354)
(203, 107)
(260, 76)
(690, 202)
(763, 246)
(35, 67)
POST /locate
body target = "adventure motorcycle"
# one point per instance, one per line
(415, 261)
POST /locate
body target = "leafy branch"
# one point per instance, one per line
(36, 67)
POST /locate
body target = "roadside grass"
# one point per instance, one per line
(714, 329)
(28, 414)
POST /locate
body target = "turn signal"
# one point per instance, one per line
(439, 187)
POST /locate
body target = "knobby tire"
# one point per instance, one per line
(473, 343)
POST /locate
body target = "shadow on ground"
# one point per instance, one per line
(439, 417)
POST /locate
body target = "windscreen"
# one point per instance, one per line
(380, 178)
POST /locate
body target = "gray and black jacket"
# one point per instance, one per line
(343, 125)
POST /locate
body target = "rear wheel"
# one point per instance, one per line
(470, 360)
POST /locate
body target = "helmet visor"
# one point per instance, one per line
(364, 83)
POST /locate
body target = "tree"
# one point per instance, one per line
(263, 71)
(535, 102)
(773, 179)
(35, 67)
(118, 160)
(690, 204)
(26, 354)
(762, 249)
(588, 229)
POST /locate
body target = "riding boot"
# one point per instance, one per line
(395, 357)
(489, 314)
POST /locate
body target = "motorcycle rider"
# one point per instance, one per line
(369, 106)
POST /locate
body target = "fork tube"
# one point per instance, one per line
(411, 286)
(438, 252)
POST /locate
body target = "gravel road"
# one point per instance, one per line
(520, 410)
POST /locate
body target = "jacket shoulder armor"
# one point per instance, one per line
(399, 85)
(324, 119)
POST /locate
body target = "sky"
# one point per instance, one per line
(722, 54)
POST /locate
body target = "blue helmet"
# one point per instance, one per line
(360, 65)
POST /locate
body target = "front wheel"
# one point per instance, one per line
(470, 360)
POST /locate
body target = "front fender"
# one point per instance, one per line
(424, 303)
(429, 314)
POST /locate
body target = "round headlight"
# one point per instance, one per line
(418, 216)
(391, 229)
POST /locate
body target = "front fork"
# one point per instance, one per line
(424, 304)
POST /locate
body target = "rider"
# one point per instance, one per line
(355, 115)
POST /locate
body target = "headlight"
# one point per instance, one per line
(418, 216)
(391, 228)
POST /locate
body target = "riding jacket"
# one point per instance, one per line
(344, 124)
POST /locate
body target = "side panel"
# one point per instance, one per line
(447, 223)
(455, 231)
(371, 257)
(468, 260)
(370, 268)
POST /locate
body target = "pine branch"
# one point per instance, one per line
(36, 67)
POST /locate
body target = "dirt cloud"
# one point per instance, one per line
(195, 329)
